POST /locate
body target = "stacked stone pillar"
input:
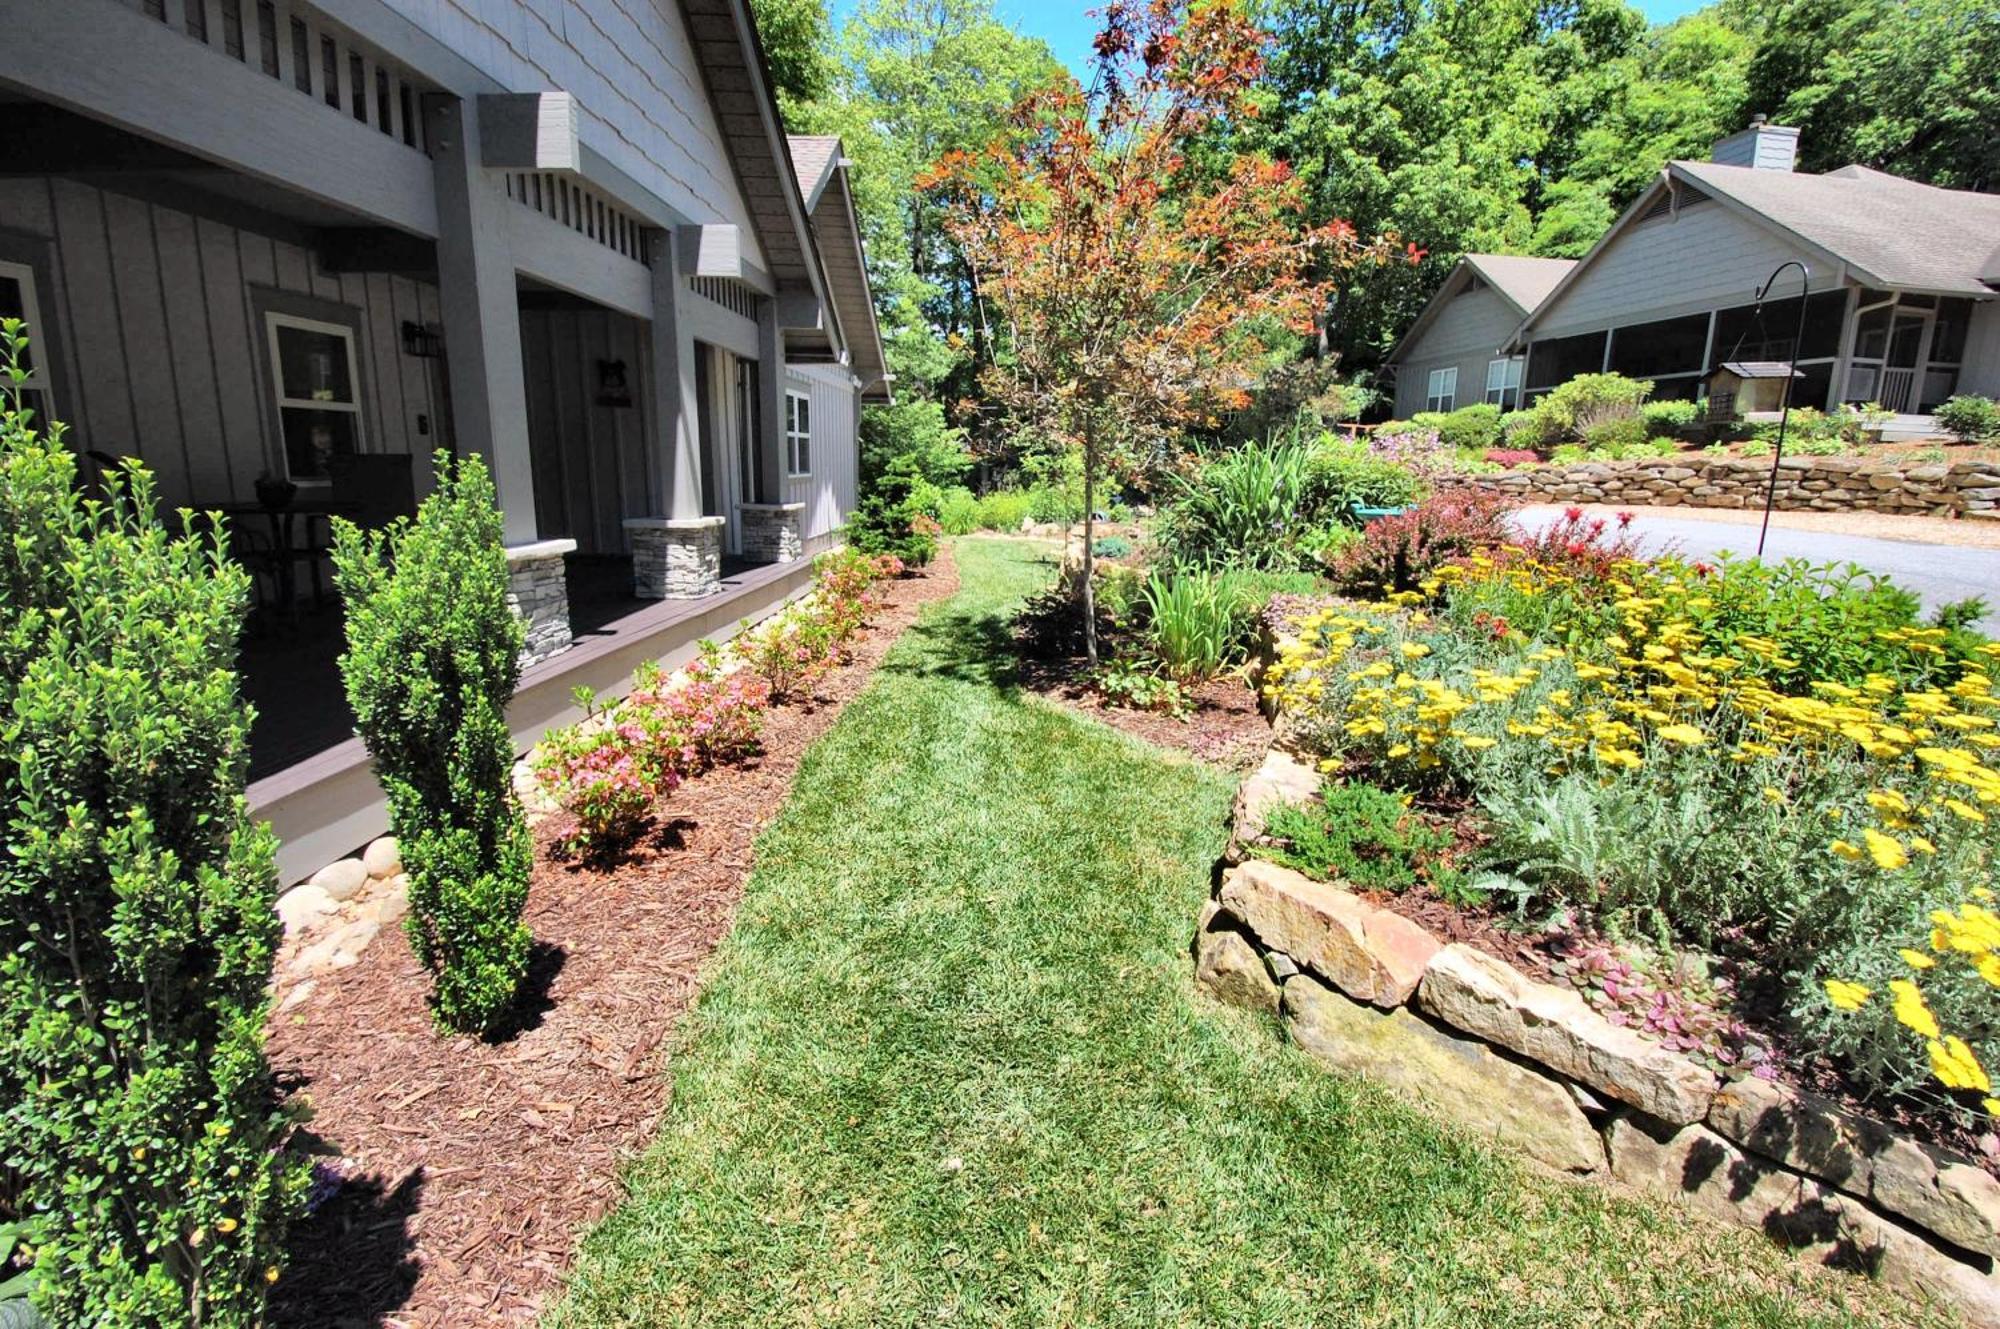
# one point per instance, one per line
(538, 593)
(675, 558)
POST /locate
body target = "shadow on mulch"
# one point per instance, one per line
(535, 1000)
(359, 1242)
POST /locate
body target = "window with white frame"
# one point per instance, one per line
(1443, 389)
(319, 394)
(1503, 382)
(798, 434)
(17, 300)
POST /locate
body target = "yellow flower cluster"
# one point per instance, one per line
(1965, 946)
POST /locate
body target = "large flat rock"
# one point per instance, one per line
(1230, 967)
(1460, 1080)
(1369, 953)
(1283, 780)
(1478, 994)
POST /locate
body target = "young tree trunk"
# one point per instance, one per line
(1089, 553)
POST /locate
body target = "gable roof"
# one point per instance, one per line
(753, 134)
(822, 170)
(1890, 232)
(1520, 280)
(1523, 281)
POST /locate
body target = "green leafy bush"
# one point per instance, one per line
(1969, 419)
(1664, 418)
(137, 1112)
(1004, 510)
(1133, 684)
(958, 510)
(896, 516)
(1362, 835)
(1571, 411)
(433, 653)
(1614, 434)
(1476, 426)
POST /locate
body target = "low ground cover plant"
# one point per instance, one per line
(433, 654)
(145, 1176)
(1782, 765)
(1363, 835)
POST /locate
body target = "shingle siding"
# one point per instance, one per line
(1467, 333)
(640, 97)
(1706, 257)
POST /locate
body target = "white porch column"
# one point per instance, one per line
(482, 318)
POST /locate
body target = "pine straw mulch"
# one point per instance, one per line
(473, 1166)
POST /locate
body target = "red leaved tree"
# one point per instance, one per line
(1140, 273)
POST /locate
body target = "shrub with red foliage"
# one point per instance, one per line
(1396, 553)
(1512, 456)
(1588, 548)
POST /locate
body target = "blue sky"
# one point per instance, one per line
(1068, 28)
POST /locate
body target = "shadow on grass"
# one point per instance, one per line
(964, 648)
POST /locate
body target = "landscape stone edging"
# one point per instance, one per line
(1527, 1064)
(1805, 484)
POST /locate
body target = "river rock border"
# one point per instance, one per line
(1805, 484)
(1532, 1068)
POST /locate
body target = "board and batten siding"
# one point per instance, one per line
(162, 354)
(593, 467)
(829, 492)
(1467, 333)
(631, 66)
(1706, 258)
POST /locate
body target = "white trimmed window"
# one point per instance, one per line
(17, 300)
(319, 394)
(1503, 383)
(1443, 392)
(798, 434)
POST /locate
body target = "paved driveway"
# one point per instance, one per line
(1938, 573)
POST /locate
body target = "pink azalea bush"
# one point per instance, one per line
(610, 770)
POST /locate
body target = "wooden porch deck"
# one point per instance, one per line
(310, 777)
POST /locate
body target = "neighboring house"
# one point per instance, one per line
(1904, 288)
(310, 243)
(1450, 357)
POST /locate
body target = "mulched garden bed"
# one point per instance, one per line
(1225, 726)
(472, 1167)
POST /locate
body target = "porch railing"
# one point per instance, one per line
(1897, 389)
(290, 42)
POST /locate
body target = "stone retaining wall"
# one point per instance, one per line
(1808, 484)
(1535, 1069)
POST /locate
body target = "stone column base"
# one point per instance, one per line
(538, 593)
(675, 558)
(773, 532)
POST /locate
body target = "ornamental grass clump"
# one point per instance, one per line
(433, 654)
(138, 1121)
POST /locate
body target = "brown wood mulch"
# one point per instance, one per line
(1225, 726)
(473, 1166)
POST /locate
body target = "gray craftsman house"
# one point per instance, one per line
(1901, 282)
(282, 251)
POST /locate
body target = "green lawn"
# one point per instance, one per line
(951, 1068)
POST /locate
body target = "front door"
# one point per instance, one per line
(1907, 335)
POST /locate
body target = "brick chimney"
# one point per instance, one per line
(1763, 146)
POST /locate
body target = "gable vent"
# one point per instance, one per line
(1664, 204)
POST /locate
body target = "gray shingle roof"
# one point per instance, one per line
(813, 156)
(1892, 232)
(1525, 281)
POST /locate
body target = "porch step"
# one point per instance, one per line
(1903, 428)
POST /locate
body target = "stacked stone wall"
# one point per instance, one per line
(1534, 1069)
(1805, 484)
